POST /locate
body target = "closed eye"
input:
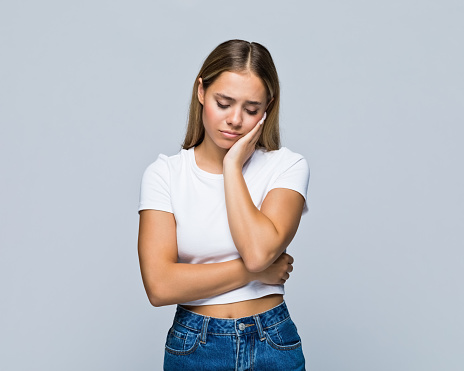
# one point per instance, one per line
(223, 106)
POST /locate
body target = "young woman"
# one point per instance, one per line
(216, 219)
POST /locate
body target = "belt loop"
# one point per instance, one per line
(260, 328)
(204, 327)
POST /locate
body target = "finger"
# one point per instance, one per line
(255, 139)
(256, 133)
(282, 257)
(290, 259)
(253, 135)
(258, 126)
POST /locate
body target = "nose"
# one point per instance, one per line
(235, 117)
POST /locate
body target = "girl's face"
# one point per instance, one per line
(232, 106)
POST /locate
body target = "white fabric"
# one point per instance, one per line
(196, 198)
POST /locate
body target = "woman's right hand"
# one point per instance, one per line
(278, 272)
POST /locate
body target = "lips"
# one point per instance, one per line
(229, 134)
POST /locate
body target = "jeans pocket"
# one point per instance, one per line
(181, 340)
(283, 336)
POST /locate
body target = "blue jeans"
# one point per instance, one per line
(266, 341)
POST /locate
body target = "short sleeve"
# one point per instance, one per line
(295, 177)
(155, 186)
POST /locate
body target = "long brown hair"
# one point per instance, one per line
(237, 56)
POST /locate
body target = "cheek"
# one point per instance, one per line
(210, 113)
(249, 124)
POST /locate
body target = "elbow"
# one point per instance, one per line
(259, 254)
(156, 301)
(158, 298)
(257, 258)
(256, 263)
(255, 267)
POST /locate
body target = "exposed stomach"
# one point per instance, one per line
(239, 309)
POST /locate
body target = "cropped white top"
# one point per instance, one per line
(177, 185)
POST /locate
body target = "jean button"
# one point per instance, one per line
(241, 326)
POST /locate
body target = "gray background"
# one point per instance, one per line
(92, 91)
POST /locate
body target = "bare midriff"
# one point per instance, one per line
(238, 310)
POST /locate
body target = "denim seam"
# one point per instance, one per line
(278, 335)
(231, 333)
(261, 334)
(282, 347)
(252, 356)
(277, 323)
(237, 352)
(204, 329)
(173, 334)
(187, 327)
(228, 333)
(184, 352)
(199, 331)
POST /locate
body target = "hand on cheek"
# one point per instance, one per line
(241, 151)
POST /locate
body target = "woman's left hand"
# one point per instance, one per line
(243, 148)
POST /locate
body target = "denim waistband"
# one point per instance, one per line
(232, 326)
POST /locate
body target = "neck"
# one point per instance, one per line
(209, 157)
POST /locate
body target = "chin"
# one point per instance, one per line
(225, 145)
(220, 142)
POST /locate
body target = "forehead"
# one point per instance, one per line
(240, 86)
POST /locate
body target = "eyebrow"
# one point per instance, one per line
(252, 102)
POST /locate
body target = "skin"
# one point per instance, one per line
(260, 235)
(224, 115)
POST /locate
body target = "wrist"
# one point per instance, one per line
(253, 276)
(231, 167)
(249, 276)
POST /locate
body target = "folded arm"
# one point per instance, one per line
(260, 235)
(168, 282)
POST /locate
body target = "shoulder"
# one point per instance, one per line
(165, 164)
(282, 158)
(290, 171)
(155, 188)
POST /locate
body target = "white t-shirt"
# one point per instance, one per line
(177, 185)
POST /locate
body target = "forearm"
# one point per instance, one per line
(254, 234)
(178, 283)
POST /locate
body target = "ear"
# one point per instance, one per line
(201, 91)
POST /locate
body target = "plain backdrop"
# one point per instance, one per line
(372, 95)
